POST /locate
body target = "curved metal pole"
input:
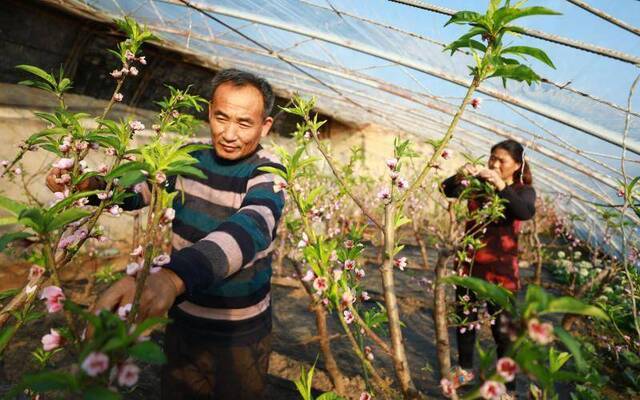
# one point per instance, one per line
(603, 51)
(560, 117)
(607, 17)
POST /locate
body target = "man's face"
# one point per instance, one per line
(235, 117)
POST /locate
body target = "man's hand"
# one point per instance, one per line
(158, 295)
(493, 177)
(58, 179)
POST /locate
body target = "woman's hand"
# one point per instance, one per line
(58, 180)
(493, 177)
(469, 169)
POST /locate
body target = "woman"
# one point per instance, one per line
(497, 260)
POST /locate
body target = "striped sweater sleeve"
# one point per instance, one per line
(236, 243)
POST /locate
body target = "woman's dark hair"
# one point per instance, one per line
(516, 151)
(243, 78)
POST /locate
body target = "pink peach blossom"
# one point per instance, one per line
(51, 340)
(447, 387)
(35, 272)
(115, 210)
(54, 298)
(492, 390)
(95, 363)
(348, 316)
(540, 332)
(507, 368)
(128, 374)
(123, 311)
(309, 276)
(64, 163)
(320, 284)
(401, 263)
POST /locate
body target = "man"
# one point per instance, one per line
(217, 286)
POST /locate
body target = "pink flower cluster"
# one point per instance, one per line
(492, 390)
(136, 126)
(95, 363)
(400, 263)
(128, 374)
(54, 298)
(540, 332)
(72, 238)
(51, 341)
(507, 368)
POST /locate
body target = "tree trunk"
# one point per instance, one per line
(279, 256)
(443, 347)
(421, 244)
(400, 362)
(337, 378)
(536, 239)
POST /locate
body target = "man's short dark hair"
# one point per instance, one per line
(243, 78)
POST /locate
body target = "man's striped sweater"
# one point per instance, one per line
(223, 235)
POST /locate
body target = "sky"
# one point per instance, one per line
(603, 77)
(608, 78)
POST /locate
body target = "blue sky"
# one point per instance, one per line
(607, 78)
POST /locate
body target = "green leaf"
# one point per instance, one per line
(128, 167)
(329, 396)
(100, 393)
(12, 236)
(5, 294)
(530, 51)
(68, 201)
(67, 217)
(37, 84)
(520, 73)
(573, 346)
(557, 359)
(507, 14)
(131, 178)
(39, 73)
(84, 176)
(33, 218)
(148, 324)
(6, 334)
(64, 85)
(187, 170)
(14, 207)
(48, 381)
(536, 300)
(464, 17)
(273, 170)
(468, 43)
(115, 343)
(570, 305)
(148, 352)
(485, 290)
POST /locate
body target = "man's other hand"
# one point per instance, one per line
(158, 295)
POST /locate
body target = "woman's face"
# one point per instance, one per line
(502, 162)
